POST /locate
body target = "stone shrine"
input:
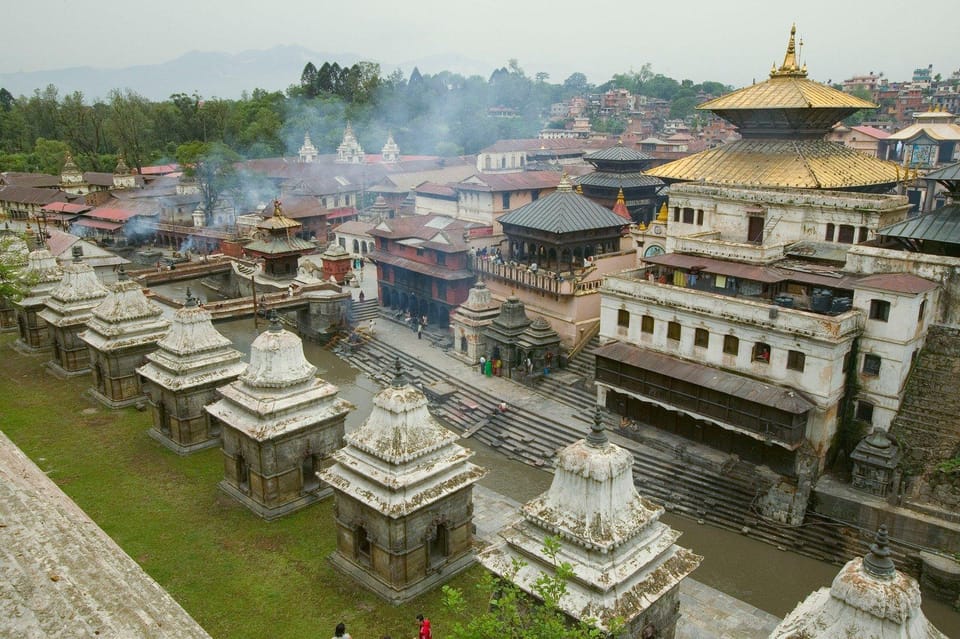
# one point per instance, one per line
(511, 338)
(181, 377)
(404, 498)
(337, 263)
(123, 329)
(42, 275)
(67, 310)
(278, 422)
(469, 320)
(625, 562)
(875, 461)
(868, 598)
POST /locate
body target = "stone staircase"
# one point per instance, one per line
(670, 471)
(364, 311)
(929, 418)
(574, 384)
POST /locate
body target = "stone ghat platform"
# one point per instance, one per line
(62, 576)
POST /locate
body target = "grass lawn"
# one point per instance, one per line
(237, 575)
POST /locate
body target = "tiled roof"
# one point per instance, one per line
(436, 231)
(66, 207)
(30, 195)
(809, 164)
(942, 225)
(872, 131)
(532, 144)
(510, 181)
(354, 227)
(562, 212)
(35, 180)
(618, 180)
(117, 215)
(618, 153)
(432, 188)
(433, 270)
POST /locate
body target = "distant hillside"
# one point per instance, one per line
(212, 74)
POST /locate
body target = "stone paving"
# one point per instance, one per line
(62, 576)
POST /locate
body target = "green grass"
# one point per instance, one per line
(237, 575)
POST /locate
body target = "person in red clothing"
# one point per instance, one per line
(424, 628)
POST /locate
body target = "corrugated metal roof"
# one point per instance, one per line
(808, 164)
(940, 131)
(789, 92)
(946, 173)
(98, 224)
(562, 212)
(897, 283)
(510, 181)
(782, 398)
(609, 179)
(942, 225)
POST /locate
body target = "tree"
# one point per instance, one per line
(513, 613)
(308, 81)
(576, 83)
(6, 99)
(212, 166)
(130, 125)
(13, 256)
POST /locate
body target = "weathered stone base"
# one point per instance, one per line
(113, 403)
(55, 369)
(26, 349)
(396, 596)
(179, 448)
(279, 511)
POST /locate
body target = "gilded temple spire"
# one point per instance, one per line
(790, 68)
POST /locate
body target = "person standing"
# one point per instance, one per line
(483, 362)
(419, 331)
(425, 632)
(341, 631)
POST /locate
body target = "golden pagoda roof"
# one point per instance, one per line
(787, 88)
(808, 164)
(278, 220)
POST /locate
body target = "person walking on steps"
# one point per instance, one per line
(419, 331)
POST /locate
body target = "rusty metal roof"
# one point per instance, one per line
(897, 283)
(807, 164)
(779, 397)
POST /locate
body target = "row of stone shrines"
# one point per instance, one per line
(403, 487)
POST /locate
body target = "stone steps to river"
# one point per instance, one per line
(721, 497)
(364, 311)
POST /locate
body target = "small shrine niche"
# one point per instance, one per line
(875, 461)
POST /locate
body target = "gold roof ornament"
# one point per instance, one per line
(579, 189)
(662, 215)
(620, 198)
(565, 186)
(641, 226)
(790, 68)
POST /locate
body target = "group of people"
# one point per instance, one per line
(423, 633)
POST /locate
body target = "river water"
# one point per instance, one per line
(758, 573)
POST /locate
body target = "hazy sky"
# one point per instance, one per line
(731, 42)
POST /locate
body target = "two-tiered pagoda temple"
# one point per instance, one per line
(782, 122)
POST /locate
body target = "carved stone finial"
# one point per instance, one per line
(877, 562)
(598, 432)
(275, 325)
(191, 301)
(122, 274)
(399, 379)
(77, 252)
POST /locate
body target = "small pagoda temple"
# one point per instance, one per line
(868, 598)
(620, 171)
(783, 122)
(181, 377)
(469, 320)
(561, 231)
(67, 310)
(512, 338)
(278, 422)
(626, 564)
(404, 497)
(42, 275)
(122, 330)
(278, 245)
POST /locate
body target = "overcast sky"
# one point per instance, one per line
(731, 42)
